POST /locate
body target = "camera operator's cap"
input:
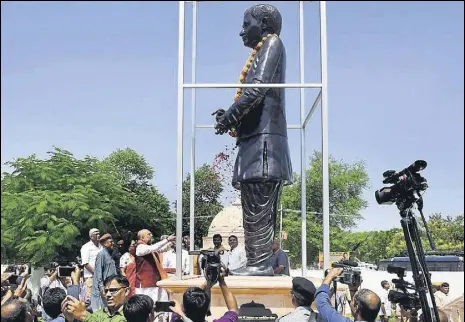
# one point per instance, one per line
(104, 238)
(445, 284)
(304, 288)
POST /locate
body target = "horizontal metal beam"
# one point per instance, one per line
(289, 127)
(312, 110)
(206, 85)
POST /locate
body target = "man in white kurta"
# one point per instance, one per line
(236, 256)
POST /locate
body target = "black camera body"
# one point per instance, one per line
(210, 264)
(404, 184)
(407, 300)
(351, 275)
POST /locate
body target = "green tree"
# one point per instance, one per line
(149, 208)
(447, 233)
(346, 186)
(208, 189)
(49, 205)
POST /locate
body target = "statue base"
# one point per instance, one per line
(273, 292)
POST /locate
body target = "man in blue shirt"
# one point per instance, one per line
(365, 305)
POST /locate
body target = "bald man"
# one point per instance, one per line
(147, 273)
(365, 305)
(16, 310)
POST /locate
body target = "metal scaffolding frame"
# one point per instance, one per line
(304, 119)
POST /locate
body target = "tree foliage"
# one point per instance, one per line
(48, 206)
(208, 189)
(346, 186)
(447, 233)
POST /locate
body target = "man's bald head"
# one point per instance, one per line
(144, 235)
(367, 304)
(16, 310)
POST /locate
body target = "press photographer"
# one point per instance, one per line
(365, 305)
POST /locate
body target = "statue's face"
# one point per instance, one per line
(251, 32)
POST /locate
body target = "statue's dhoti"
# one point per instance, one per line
(259, 206)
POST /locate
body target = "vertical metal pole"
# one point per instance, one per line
(180, 140)
(281, 227)
(193, 102)
(303, 161)
(324, 132)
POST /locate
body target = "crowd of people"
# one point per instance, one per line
(114, 284)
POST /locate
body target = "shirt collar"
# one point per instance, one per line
(119, 312)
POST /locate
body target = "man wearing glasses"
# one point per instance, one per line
(116, 291)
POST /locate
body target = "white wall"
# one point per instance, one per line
(372, 279)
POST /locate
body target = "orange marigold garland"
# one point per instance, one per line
(244, 72)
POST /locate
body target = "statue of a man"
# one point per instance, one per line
(258, 118)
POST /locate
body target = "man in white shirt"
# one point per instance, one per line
(89, 253)
(169, 261)
(236, 257)
(442, 295)
(148, 265)
(218, 243)
(49, 281)
(386, 309)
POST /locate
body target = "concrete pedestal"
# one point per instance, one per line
(273, 292)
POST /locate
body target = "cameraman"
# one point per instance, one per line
(365, 305)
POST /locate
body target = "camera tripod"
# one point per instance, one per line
(421, 275)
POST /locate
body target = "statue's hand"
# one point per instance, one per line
(225, 120)
(220, 129)
(219, 113)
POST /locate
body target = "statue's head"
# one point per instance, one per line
(260, 20)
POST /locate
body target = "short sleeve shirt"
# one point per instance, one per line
(280, 258)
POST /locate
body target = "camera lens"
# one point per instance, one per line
(384, 196)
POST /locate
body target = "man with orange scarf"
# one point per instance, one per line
(148, 266)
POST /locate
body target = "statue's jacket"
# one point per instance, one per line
(263, 150)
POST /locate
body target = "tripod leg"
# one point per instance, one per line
(422, 260)
(410, 236)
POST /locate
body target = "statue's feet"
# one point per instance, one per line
(264, 270)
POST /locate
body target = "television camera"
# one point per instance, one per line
(350, 275)
(407, 300)
(210, 264)
(407, 189)
(405, 184)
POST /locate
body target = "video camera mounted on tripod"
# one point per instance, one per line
(407, 188)
(407, 300)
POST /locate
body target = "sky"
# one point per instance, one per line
(93, 77)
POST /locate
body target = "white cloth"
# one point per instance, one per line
(169, 260)
(441, 299)
(143, 249)
(157, 294)
(125, 260)
(384, 296)
(88, 255)
(45, 283)
(236, 258)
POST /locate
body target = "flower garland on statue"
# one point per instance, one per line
(244, 72)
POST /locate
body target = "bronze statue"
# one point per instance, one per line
(258, 119)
